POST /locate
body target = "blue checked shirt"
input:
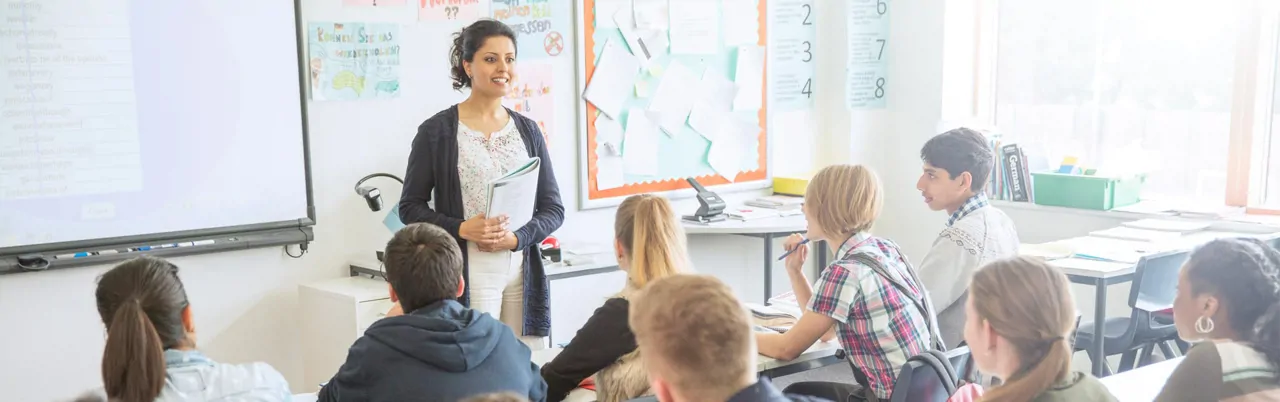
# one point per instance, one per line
(970, 205)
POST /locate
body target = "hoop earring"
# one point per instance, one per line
(1204, 325)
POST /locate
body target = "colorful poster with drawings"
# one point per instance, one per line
(350, 61)
(450, 10)
(374, 3)
(532, 96)
(542, 26)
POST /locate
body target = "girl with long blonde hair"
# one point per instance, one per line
(650, 245)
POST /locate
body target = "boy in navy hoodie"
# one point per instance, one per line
(438, 350)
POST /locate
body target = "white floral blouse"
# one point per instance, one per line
(481, 161)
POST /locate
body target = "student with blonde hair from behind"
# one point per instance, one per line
(649, 244)
(869, 296)
(1018, 325)
(697, 343)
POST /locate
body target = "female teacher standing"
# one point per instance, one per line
(456, 154)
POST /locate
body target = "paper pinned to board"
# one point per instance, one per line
(605, 10)
(637, 44)
(725, 155)
(609, 172)
(740, 23)
(671, 101)
(712, 107)
(749, 75)
(650, 14)
(608, 136)
(612, 80)
(695, 27)
(642, 89)
(640, 145)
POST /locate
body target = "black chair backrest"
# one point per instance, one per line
(1155, 281)
(931, 376)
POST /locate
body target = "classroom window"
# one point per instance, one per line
(1271, 191)
(1127, 85)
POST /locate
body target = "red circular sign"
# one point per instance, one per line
(554, 43)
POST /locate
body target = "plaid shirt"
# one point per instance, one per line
(970, 205)
(877, 325)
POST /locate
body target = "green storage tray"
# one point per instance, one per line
(1085, 192)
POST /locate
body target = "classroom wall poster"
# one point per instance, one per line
(374, 3)
(792, 70)
(450, 10)
(532, 95)
(542, 26)
(350, 61)
(868, 63)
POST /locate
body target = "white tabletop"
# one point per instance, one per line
(817, 351)
(794, 223)
(554, 270)
(1088, 268)
(1142, 384)
(304, 397)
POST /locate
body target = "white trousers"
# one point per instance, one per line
(497, 288)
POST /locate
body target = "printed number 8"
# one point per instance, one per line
(879, 87)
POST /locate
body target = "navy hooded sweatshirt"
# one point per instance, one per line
(443, 352)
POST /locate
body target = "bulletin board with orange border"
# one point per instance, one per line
(682, 155)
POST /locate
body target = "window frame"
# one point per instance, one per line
(1253, 96)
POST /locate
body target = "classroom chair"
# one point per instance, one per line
(926, 378)
(1154, 288)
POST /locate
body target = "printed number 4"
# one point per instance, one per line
(808, 88)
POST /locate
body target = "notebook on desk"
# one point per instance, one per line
(1127, 233)
(1167, 225)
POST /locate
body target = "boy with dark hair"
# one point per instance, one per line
(957, 165)
(437, 350)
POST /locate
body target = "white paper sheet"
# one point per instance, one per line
(608, 136)
(609, 172)
(635, 42)
(740, 22)
(650, 14)
(640, 147)
(611, 83)
(749, 75)
(725, 155)
(672, 100)
(605, 10)
(715, 103)
(695, 27)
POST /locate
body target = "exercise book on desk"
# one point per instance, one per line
(1126, 233)
(1166, 225)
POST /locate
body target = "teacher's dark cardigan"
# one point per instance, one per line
(433, 167)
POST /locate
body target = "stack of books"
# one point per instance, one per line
(1010, 176)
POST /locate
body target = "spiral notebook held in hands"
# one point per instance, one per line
(515, 193)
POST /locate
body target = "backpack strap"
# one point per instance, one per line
(920, 301)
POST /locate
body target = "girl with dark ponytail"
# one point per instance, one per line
(1019, 317)
(1228, 301)
(151, 343)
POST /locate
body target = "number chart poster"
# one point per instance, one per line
(542, 26)
(792, 53)
(450, 10)
(532, 95)
(350, 61)
(868, 63)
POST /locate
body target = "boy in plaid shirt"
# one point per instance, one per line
(868, 298)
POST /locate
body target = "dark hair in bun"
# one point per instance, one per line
(468, 41)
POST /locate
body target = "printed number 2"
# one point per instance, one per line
(808, 88)
(808, 11)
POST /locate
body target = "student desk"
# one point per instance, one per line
(305, 397)
(1101, 274)
(821, 354)
(1142, 384)
(763, 228)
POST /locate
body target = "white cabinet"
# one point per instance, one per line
(334, 314)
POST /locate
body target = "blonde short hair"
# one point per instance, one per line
(694, 334)
(844, 199)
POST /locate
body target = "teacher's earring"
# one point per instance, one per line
(1204, 325)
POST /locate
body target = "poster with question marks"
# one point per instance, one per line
(464, 11)
(372, 3)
